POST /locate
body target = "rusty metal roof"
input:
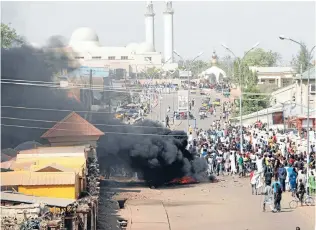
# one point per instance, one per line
(72, 125)
(37, 178)
(53, 202)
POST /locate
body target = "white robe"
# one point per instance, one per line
(259, 165)
(232, 163)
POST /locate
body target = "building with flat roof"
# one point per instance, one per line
(274, 76)
(296, 94)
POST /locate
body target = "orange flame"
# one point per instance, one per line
(184, 180)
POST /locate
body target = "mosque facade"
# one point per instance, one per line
(85, 48)
(214, 74)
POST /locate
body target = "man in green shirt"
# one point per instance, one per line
(241, 165)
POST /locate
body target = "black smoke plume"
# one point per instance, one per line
(30, 64)
(157, 153)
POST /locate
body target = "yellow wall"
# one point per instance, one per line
(57, 191)
(76, 163)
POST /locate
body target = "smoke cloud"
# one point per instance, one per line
(31, 64)
(157, 158)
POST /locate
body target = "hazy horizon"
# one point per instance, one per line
(198, 26)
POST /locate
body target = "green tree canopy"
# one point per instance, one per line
(262, 58)
(252, 103)
(9, 37)
(248, 77)
(302, 58)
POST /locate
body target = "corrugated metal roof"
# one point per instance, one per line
(55, 166)
(18, 197)
(72, 125)
(47, 150)
(37, 178)
(75, 163)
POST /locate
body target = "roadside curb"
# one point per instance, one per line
(156, 218)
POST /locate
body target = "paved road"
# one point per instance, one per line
(225, 205)
(160, 111)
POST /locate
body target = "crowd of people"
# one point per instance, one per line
(274, 162)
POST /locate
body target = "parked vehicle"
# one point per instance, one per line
(183, 115)
(217, 102)
(131, 113)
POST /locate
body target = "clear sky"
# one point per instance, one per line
(198, 26)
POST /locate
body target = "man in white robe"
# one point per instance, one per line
(232, 163)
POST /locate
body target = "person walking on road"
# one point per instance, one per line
(167, 121)
(282, 176)
(300, 191)
(268, 197)
(277, 190)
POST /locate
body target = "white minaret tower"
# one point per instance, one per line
(150, 23)
(168, 40)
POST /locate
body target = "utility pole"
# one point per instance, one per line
(188, 70)
(301, 83)
(282, 37)
(268, 118)
(91, 97)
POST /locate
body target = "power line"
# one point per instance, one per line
(48, 121)
(43, 109)
(67, 88)
(55, 83)
(126, 90)
(119, 133)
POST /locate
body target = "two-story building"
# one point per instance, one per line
(274, 76)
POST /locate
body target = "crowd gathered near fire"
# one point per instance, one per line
(275, 162)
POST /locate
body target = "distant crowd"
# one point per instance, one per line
(274, 162)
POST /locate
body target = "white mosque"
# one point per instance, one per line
(213, 74)
(85, 47)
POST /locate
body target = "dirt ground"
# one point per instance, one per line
(225, 205)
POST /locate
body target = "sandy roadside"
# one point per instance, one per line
(225, 205)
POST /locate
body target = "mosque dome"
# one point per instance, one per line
(84, 37)
(133, 47)
(214, 73)
(146, 48)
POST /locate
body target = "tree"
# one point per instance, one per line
(9, 37)
(302, 59)
(227, 64)
(252, 103)
(196, 67)
(262, 58)
(152, 72)
(249, 77)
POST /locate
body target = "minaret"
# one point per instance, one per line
(149, 23)
(214, 58)
(168, 33)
